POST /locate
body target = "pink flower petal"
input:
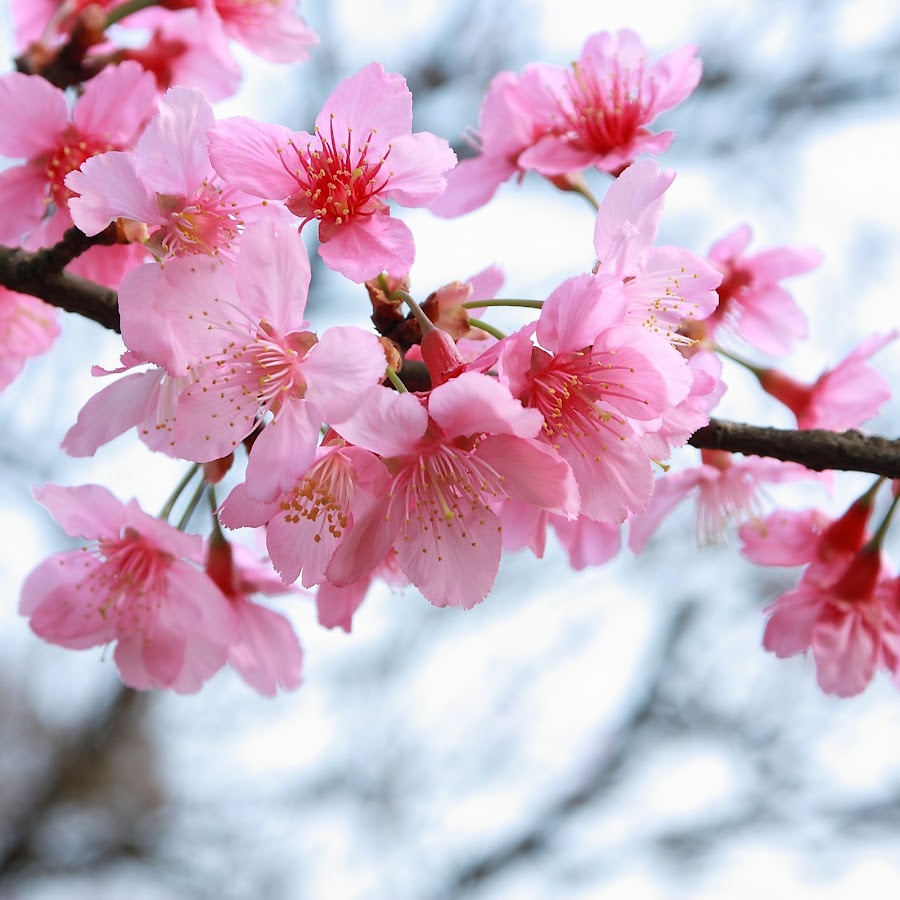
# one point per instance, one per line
(109, 188)
(116, 103)
(58, 598)
(283, 451)
(273, 276)
(247, 154)
(474, 403)
(369, 101)
(87, 511)
(22, 190)
(532, 473)
(34, 114)
(112, 411)
(172, 156)
(387, 423)
(268, 654)
(364, 247)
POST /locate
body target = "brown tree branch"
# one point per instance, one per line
(815, 448)
(41, 275)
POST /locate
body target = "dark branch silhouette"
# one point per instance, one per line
(817, 449)
(42, 275)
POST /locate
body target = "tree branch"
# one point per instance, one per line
(815, 448)
(41, 275)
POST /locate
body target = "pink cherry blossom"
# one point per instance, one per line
(133, 583)
(188, 47)
(37, 125)
(167, 183)
(306, 524)
(591, 378)
(752, 302)
(273, 29)
(587, 542)
(843, 397)
(607, 100)
(336, 606)
(145, 400)
(266, 651)
(516, 113)
(361, 155)
(727, 489)
(454, 455)
(679, 422)
(847, 618)
(663, 286)
(257, 356)
(845, 607)
(28, 327)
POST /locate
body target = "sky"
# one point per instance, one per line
(625, 718)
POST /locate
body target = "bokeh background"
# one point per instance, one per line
(614, 733)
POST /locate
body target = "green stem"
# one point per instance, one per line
(524, 304)
(496, 332)
(424, 322)
(166, 511)
(756, 370)
(213, 506)
(394, 379)
(193, 503)
(874, 545)
(585, 192)
(127, 9)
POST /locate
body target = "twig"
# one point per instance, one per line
(815, 448)
(41, 275)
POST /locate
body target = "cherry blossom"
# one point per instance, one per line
(454, 456)
(843, 397)
(307, 523)
(727, 489)
(188, 47)
(845, 607)
(167, 183)
(37, 125)
(664, 286)
(257, 354)
(28, 327)
(752, 302)
(361, 155)
(133, 584)
(605, 103)
(266, 651)
(591, 377)
(515, 114)
(273, 29)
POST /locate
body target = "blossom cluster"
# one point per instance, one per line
(419, 452)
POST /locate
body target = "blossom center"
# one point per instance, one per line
(566, 390)
(323, 497)
(207, 223)
(337, 181)
(451, 483)
(133, 571)
(67, 158)
(607, 114)
(276, 365)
